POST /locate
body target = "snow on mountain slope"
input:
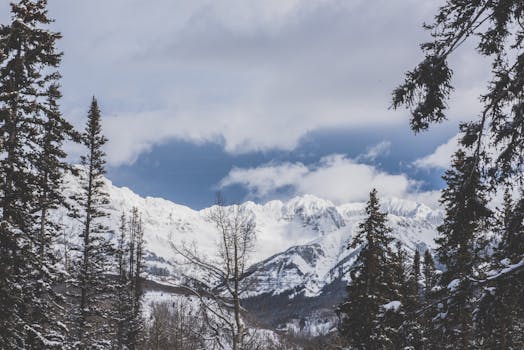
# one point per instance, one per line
(279, 225)
(301, 258)
(311, 234)
(310, 267)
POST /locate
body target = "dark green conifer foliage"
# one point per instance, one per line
(31, 166)
(128, 289)
(462, 248)
(90, 324)
(495, 140)
(428, 308)
(500, 313)
(412, 327)
(50, 167)
(401, 323)
(511, 230)
(370, 285)
(430, 278)
(122, 309)
(394, 320)
(461, 244)
(497, 28)
(136, 244)
(415, 274)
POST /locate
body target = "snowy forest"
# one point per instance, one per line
(82, 267)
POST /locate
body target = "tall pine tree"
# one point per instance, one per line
(50, 167)
(461, 248)
(370, 286)
(121, 302)
(31, 166)
(136, 256)
(90, 324)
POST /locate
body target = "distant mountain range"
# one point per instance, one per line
(301, 259)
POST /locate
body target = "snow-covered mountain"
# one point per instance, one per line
(298, 289)
(308, 268)
(301, 256)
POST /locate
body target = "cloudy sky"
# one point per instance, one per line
(261, 99)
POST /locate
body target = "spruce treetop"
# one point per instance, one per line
(373, 229)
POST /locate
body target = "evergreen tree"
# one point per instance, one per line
(429, 275)
(128, 290)
(511, 231)
(415, 296)
(370, 286)
(415, 274)
(394, 318)
(50, 167)
(136, 326)
(400, 321)
(500, 313)
(90, 317)
(429, 309)
(31, 165)
(122, 302)
(461, 248)
(497, 25)
(412, 328)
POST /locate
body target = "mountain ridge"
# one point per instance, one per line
(301, 256)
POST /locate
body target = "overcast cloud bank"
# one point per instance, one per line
(249, 75)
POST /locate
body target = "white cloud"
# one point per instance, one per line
(335, 177)
(441, 157)
(380, 149)
(264, 180)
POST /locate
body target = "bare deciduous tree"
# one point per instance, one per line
(236, 230)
